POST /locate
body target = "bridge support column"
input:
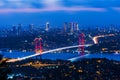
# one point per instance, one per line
(38, 46)
(81, 42)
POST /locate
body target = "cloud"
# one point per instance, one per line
(56, 5)
(68, 9)
(50, 3)
(116, 8)
(14, 4)
(1, 3)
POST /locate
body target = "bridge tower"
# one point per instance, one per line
(81, 42)
(38, 46)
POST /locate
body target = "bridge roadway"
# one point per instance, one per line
(95, 38)
(63, 48)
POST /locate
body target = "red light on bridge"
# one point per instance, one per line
(81, 42)
(38, 45)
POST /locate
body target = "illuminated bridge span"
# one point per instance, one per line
(63, 48)
(95, 39)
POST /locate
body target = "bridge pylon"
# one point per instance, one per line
(38, 46)
(81, 41)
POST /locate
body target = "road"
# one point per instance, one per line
(30, 56)
(95, 38)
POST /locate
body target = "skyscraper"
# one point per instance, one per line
(19, 29)
(14, 29)
(76, 27)
(31, 27)
(71, 27)
(65, 27)
(47, 26)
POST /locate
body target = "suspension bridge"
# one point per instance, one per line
(39, 49)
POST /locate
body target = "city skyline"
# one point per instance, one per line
(89, 12)
(59, 40)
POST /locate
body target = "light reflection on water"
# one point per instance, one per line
(63, 56)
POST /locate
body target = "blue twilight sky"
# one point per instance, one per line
(85, 12)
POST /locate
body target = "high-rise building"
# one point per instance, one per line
(31, 27)
(76, 26)
(65, 27)
(71, 27)
(47, 26)
(97, 28)
(19, 29)
(14, 29)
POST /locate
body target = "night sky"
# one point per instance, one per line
(85, 12)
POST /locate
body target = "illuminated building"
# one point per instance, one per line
(76, 27)
(72, 26)
(47, 26)
(65, 26)
(19, 29)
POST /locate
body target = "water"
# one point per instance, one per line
(108, 56)
(62, 56)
